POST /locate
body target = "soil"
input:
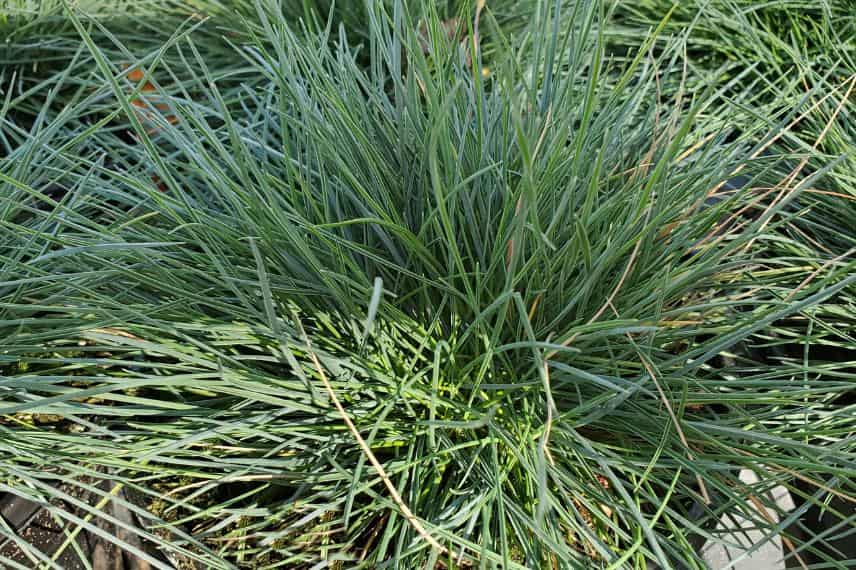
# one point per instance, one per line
(38, 530)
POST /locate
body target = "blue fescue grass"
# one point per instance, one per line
(522, 276)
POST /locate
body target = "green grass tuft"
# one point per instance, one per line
(526, 271)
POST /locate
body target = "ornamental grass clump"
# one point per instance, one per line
(391, 305)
